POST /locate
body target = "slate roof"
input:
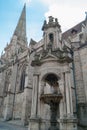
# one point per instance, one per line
(75, 28)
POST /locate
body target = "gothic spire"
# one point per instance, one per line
(20, 30)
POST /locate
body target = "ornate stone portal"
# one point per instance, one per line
(51, 83)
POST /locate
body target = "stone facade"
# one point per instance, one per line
(45, 84)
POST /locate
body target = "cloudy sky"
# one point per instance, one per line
(68, 12)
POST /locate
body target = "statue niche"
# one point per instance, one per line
(51, 84)
(52, 98)
(51, 37)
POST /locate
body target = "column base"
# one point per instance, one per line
(68, 124)
(34, 123)
(53, 128)
(24, 122)
(82, 115)
(8, 113)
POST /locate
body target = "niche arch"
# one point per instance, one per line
(49, 83)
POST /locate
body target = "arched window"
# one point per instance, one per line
(6, 86)
(7, 82)
(51, 37)
(22, 81)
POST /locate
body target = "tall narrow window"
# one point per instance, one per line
(22, 81)
(51, 37)
(6, 84)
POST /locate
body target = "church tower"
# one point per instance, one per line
(18, 41)
(52, 33)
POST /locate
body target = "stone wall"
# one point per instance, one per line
(4, 105)
(2, 88)
(79, 78)
(18, 103)
(83, 55)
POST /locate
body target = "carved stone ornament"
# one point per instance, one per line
(60, 55)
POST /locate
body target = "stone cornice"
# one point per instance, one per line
(61, 56)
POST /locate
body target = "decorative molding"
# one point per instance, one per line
(27, 87)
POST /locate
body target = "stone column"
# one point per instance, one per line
(70, 90)
(57, 42)
(68, 94)
(35, 95)
(45, 42)
(27, 98)
(41, 104)
(68, 122)
(58, 39)
(62, 104)
(34, 123)
(9, 105)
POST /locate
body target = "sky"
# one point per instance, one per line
(68, 12)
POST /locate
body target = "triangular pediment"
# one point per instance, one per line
(49, 56)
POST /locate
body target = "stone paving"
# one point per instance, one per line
(10, 126)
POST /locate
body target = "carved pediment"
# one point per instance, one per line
(49, 56)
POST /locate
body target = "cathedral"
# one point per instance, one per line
(44, 84)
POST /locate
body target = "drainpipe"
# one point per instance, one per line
(73, 66)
